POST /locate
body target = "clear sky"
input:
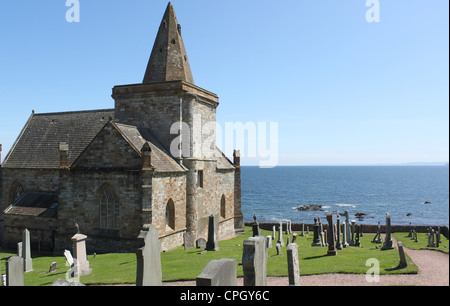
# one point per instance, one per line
(343, 90)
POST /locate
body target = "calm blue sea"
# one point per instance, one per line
(273, 194)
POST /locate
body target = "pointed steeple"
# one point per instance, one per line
(168, 60)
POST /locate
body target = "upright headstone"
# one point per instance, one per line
(338, 234)
(316, 238)
(293, 265)
(26, 251)
(52, 267)
(331, 246)
(278, 248)
(148, 256)
(69, 258)
(80, 254)
(294, 237)
(269, 241)
(348, 226)
(388, 241)
(402, 264)
(344, 235)
(352, 237)
(218, 273)
(254, 261)
(358, 235)
(15, 271)
(255, 227)
(273, 232)
(280, 234)
(211, 244)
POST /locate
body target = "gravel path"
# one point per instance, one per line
(433, 271)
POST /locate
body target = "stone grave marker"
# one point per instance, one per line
(79, 252)
(293, 264)
(148, 256)
(331, 246)
(254, 261)
(15, 271)
(211, 244)
(402, 264)
(388, 243)
(218, 273)
(26, 251)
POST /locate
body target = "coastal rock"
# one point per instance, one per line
(310, 208)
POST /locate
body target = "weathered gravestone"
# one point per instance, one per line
(255, 227)
(218, 273)
(338, 234)
(15, 271)
(79, 252)
(26, 251)
(331, 246)
(316, 238)
(280, 235)
(402, 264)
(52, 267)
(293, 265)
(254, 261)
(211, 244)
(148, 272)
(388, 245)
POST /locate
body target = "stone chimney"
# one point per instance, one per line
(237, 158)
(63, 155)
(146, 157)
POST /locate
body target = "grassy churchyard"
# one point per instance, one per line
(120, 268)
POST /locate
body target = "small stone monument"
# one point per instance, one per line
(402, 264)
(280, 235)
(211, 244)
(338, 234)
(218, 273)
(316, 239)
(331, 247)
(388, 243)
(255, 227)
(148, 256)
(254, 261)
(293, 265)
(26, 251)
(79, 252)
(15, 271)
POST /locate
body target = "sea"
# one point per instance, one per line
(273, 194)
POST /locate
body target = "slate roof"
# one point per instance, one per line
(38, 144)
(35, 204)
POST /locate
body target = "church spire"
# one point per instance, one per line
(168, 60)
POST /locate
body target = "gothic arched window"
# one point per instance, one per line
(170, 214)
(17, 191)
(109, 208)
(223, 209)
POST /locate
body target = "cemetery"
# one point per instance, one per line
(253, 256)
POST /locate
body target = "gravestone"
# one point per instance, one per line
(189, 240)
(388, 245)
(254, 261)
(69, 258)
(278, 248)
(316, 238)
(294, 237)
(344, 235)
(211, 244)
(273, 232)
(358, 235)
(293, 265)
(402, 264)
(255, 227)
(218, 273)
(148, 272)
(79, 252)
(377, 238)
(280, 235)
(26, 251)
(19, 249)
(200, 243)
(52, 267)
(15, 271)
(352, 237)
(331, 246)
(347, 229)
(269, 241)
(338, 234)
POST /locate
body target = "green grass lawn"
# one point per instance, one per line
(186, 265)
(422, 242)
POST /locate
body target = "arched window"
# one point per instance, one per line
(17, 191)
(223, 209)
(170, 214)
(109, 208)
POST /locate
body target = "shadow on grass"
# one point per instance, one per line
(316, 257)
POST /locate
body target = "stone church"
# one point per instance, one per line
(110, 171)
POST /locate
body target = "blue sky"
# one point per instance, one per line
(343, 90)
